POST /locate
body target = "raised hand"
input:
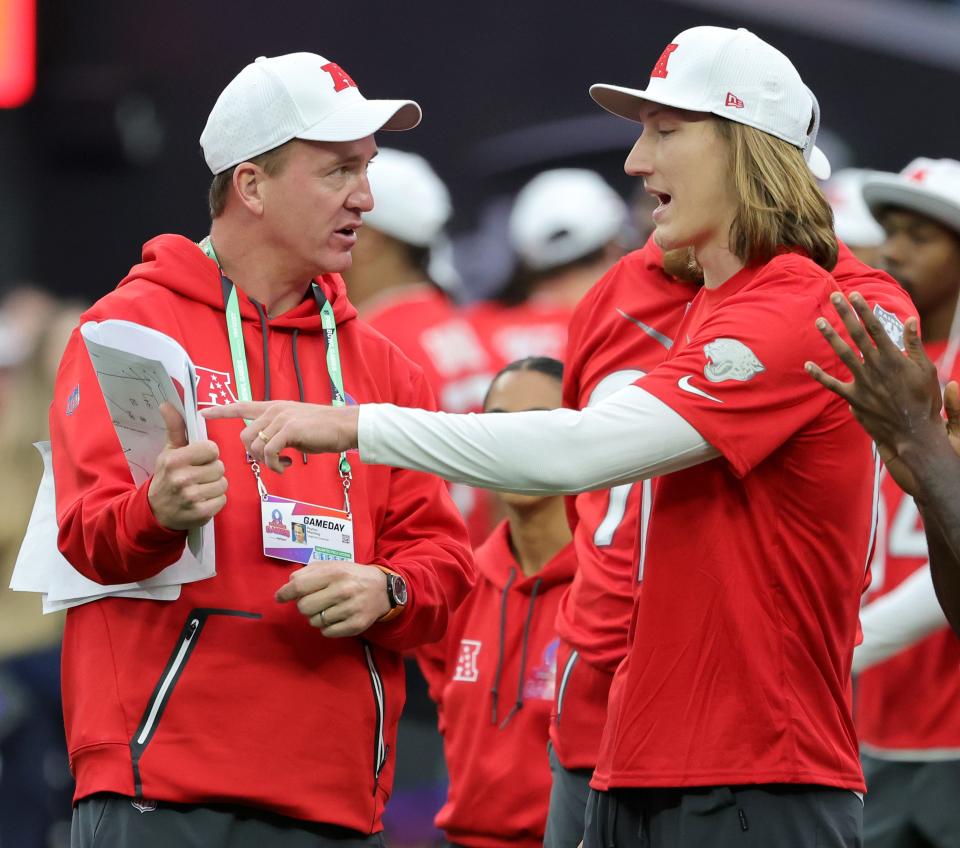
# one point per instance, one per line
(895, 398)
(281, 424)
(188, 486)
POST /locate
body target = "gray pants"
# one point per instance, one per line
(911, 804)
(569, 791)
(766, 816)
(112, 821)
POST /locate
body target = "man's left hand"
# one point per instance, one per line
(340, 598)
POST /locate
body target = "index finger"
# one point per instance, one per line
(241, 409)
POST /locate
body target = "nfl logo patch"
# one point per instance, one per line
(892, 325)
(74, 400)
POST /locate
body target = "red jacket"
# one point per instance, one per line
(493, 679)
(225, 695)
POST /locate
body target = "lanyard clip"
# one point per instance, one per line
(255, 468)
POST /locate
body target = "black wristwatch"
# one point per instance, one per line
(397, 593)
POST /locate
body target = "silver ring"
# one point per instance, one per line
(323, 618)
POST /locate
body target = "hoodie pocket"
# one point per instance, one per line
(564, 682)
(189, 636)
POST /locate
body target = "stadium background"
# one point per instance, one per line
(104, 154)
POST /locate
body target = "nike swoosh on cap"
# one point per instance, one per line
(657, 336)
(684, 383)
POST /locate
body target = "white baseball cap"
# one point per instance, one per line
(299, 95)
(928, 186)
(410, 202)
(852, 220)
(562, 215)
(733, 74)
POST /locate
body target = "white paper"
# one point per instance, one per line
(134, 366)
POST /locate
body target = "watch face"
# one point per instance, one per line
(398, 588)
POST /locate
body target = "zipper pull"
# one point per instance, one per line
(192, 628)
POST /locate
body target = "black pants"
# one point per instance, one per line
(569, 790)
(911, 804)
(768, 816)
(112, 821)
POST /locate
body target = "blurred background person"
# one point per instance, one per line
(908, 666)
(622, 328)
(395, 283)
(493, 674)
(854, 224)
(35, 782)
(567, 227)
(399, 262)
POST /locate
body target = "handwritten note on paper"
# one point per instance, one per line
(133, 388)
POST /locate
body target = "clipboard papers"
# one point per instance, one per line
(137, 369)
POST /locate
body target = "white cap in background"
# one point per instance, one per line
(410, 202)
(562, 215)
(299, 95)
(733, 74)
(852, 220)
(928, 186)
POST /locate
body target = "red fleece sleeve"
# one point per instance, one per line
(423, 538)
(108, 531)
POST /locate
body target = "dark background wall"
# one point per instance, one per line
(106, 155)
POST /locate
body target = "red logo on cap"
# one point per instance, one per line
(341, 79)
(660, 69)
(733, 100)
(919, 175)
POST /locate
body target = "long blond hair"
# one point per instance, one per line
(779, 203)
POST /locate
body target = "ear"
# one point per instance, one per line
(248, 182)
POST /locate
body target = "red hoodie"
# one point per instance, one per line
(493, 677)
(224, 695)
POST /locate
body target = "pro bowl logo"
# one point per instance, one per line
(728, 359)
(541, 680)
(276, 527)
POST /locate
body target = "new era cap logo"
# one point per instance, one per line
(733, 100)
(919, 175)
(341, 79)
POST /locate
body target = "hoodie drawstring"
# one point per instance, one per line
(523, 655)
(265, 330)
(495, 691)
(296, 370)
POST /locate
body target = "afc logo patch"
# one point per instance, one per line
(660, 69)
(341, 79)
(466, 670)
(213, 388)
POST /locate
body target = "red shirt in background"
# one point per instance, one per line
(622, 328)
(516, 332)
(430, 329)
(906, 706)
